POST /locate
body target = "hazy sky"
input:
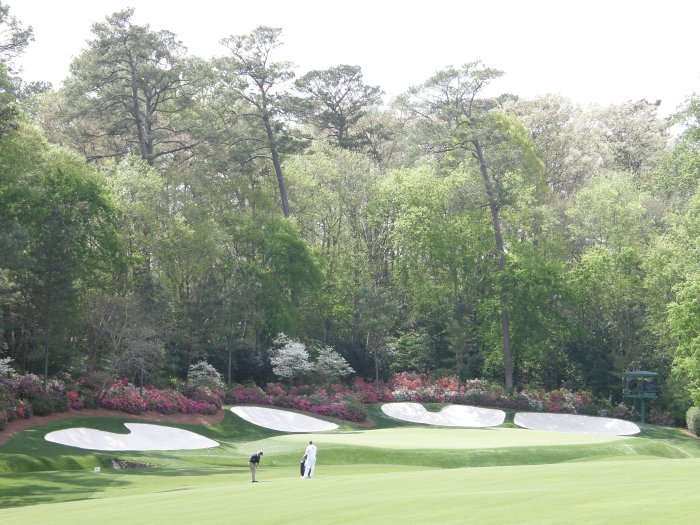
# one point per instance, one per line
(592, 52)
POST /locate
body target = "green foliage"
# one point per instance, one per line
(8, 111)
(531, 237)
(43, 405)
(141, 109)
(684, 321)
(337, 100)
(692, 418)
(610, 212)
(69, 244)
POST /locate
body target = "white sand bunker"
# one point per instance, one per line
(141, 437)
(575, 424)
(449, 416)
(282, 420)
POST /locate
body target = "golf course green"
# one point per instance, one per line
(390, 472)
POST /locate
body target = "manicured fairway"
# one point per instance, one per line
(451, 438)
(606, 492)
(392, 473)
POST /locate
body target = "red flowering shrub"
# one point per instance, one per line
(74, 400)
(448, 384)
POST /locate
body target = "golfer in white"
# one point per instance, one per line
(310, 462)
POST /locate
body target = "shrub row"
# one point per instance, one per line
(23, 396)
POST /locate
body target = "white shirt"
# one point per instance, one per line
(311, 452)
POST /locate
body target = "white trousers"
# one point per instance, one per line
(309, 470)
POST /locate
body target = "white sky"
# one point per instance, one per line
(592, 52)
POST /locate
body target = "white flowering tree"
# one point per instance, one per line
(204, 375)
(6, 369)
(330, 365)
(289, 359)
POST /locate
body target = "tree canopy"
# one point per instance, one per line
(160, 210)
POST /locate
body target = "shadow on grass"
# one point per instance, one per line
(24, 489)
(50, 487)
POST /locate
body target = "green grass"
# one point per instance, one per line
(393, 472)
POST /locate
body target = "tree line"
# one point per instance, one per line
(159, 209)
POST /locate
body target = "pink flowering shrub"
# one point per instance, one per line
(21, 396)
(247, 394)
(421, 389)
(274, 389)
(409, 380)
(201, 407)
(11, 407)
(30, 386)
(662, 418)
(346, 411)
(165, 401)
(205, 395)
(125, 398)
(371, 392)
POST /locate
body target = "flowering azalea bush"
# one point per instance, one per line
(274, 389)
(371, 391)
(11, 407)
(30, 386)
(22, 396)
(346, 402)
(346, 411)
(75, 401)
(247, 394)
(125, 398)
(165, 401)
(204, 396)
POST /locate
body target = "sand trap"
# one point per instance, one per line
(282, 420)
(141, 437)
(449, 416)
(572, 423)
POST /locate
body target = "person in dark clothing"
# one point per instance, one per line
(254, 463)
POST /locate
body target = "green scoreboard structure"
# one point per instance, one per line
(641, 385)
